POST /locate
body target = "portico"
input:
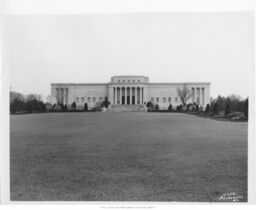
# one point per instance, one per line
(127, 95)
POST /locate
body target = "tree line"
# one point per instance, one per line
(232, 103)
(33, 103)
(20, 103)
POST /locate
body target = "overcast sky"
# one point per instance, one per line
(166, 47)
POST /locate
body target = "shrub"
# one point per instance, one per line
(48, 107)
(197, 108)
(70, 108)
(73, 105)
(189, 107)
(156, 107)
(183, 108)
(105, 103)
(170, 108)
(178, 108)
(150, 104)
(85, 107)
(56, 108)
(96, 109)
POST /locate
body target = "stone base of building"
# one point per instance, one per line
(127, 108)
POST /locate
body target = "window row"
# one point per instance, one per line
(129, 80)
(164, 99)
(89, 99)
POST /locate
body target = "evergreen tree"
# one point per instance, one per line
(85, 107)
(216, 108)
(246, 107)
(207, 109)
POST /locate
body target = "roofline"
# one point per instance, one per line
(150, 83)
(129, 76)
(179, 83)
(79, 84)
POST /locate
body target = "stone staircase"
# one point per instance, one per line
(127, 108)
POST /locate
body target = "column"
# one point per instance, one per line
(72, 94)
(117, 96)
(56, 95)
(64, 96)
(113, 95)
(140, 95)
(130, 95)
(202, 96)
(120, 95)
(115, 89)
(199, 96)
(136, 100)
(125, 95)
(194, 94)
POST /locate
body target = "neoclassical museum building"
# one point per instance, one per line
(128, 90)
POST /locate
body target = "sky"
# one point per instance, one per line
(166, 47)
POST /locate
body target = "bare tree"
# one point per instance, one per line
(48, 99)
(234, 97)
(184, 93)
(16, 95)
(34, 96)
(59, 97)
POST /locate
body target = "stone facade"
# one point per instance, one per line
(128, 90)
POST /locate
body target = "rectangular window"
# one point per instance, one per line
(176, 99)
(157, 100)
(100, 98)
(89, 99)
(82, 99)
(77, 99)
(152, 99)
(169, 99)
(94, 99)
(164, 99)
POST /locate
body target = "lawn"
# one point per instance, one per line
(127, 157)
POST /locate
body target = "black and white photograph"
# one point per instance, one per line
(130, 107)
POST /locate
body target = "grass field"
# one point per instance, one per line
(126, 157)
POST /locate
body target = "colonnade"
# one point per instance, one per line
(128, 95)
(198, 95)
(61, 94)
